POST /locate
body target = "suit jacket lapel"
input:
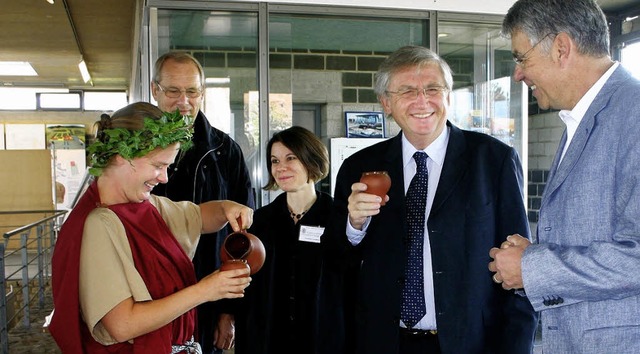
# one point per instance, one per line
(560, 172)
(455, 164)
(393, 157)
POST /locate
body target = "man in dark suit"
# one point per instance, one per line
(474, 200)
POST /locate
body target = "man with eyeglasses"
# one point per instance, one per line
(213, 169)
(424, 287)
(582, 274)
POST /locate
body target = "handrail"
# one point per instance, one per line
(34, 251)
(58, 213)
(9, 212)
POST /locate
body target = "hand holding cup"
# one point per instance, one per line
(378, 183)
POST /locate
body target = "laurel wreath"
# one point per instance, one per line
(130, 144)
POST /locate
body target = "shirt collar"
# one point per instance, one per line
(583, 105)
(436, 150)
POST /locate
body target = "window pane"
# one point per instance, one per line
(322, 66)
(225, 43)
(485, 98)
(16, 98)
(631, 58)
(60, 100)
(104, 101)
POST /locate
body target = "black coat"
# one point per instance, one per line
(213, 169)
(279, 309)
(478, 203)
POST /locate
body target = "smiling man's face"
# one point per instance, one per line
(422, 117)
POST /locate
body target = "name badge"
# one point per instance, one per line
(310, 233)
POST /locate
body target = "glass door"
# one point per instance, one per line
(325, 59)
(485, 98)
(225, 42)
(263, 60)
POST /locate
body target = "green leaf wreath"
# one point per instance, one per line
(170, 128)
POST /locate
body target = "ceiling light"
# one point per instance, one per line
(84, 71)
(16, 68)
(50, 1)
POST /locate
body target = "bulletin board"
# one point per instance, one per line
(26, 185)
(24, 136)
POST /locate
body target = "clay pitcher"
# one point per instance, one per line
(242, 246)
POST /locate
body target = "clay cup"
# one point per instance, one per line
(378, 183)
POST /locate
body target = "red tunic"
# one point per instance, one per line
(162, 263)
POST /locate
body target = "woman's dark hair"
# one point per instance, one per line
(311, 152)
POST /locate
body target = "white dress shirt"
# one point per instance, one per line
(573, 118)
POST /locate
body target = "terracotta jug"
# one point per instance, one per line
(378, 183)
(234, 264)
(242, 246)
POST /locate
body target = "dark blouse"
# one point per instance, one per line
(279, 309)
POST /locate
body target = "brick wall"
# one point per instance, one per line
(340, 80)
(357, 68)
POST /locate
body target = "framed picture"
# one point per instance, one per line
(364, 124)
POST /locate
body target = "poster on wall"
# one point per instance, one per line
(69, 169)
(364, 124)
(65, 136)
(24, 136)
(1, 136)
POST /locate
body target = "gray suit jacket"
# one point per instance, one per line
(584, 275)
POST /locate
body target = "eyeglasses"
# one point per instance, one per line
(413, 93)
(174, 92)
(521, 58)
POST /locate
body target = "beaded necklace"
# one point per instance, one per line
(297, 217)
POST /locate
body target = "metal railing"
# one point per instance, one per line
(26, 268)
